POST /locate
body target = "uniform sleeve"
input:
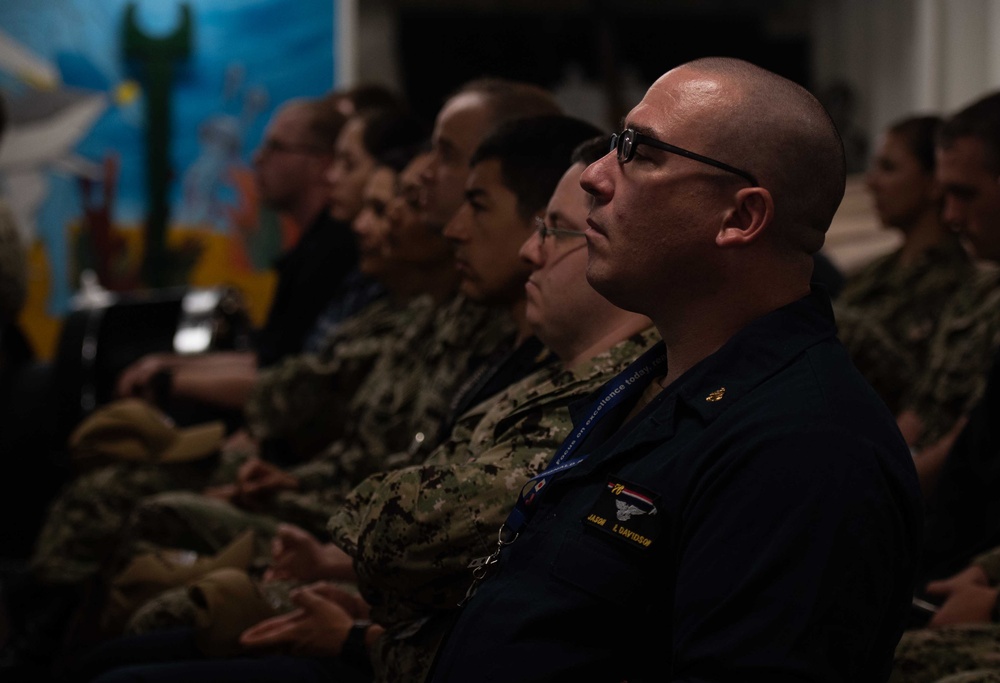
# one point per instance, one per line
(795, 553)
(416, 529)
(990, 563)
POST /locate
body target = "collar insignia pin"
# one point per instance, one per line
(716, 395)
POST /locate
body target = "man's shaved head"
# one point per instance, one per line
(778, 131)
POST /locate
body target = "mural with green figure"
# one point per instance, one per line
(156, 58)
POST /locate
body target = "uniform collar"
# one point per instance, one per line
(750, 357)
(755, 353)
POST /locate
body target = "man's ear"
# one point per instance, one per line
(748, 218)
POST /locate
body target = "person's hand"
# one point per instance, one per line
(241, 441)
(135, 380)
(318, 627)
(352, 602)
(227, 493)
(968, 598)
(911, 426)
(298, 555)
(931, 460)
(258, 479)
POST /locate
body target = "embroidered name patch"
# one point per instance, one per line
(627, 512)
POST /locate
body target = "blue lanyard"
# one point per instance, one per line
(630, 382)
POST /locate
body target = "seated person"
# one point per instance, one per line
(746, 511)
(86, 515)
(411, 536)
(888, 311)
(314, 172)
(510, 173)
(431, 358)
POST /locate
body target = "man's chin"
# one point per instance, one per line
(595, 276)
(470, 291)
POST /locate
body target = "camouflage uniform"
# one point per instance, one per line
(959, 356)
(291, 406)
(406, 392)
(85, 520)
(989, 562)
(422, 553)
(413, 531)
(929, 655)
(967, 653)
(887, 314)
(977, 676)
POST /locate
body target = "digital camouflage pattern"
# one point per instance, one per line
(187, 520)
(406, 521)
(954, 654)
(977, 676)
(959, 356)
(429, 355)
(888, 312)
(86, 519)
(989, 562)
(966, 653)
(295, 405)
(406, 396)
(413, 531)
(81, 528)
(83, 522)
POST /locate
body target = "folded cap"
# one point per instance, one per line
(228, 601)
(150, 574)
(133, 429)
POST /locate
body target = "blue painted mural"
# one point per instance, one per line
(84, 82)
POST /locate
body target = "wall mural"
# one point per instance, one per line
(131, 125)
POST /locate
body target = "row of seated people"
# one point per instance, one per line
(406, 437)
(922, 324)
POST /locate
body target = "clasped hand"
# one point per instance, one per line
(318, 626)
(968, 598)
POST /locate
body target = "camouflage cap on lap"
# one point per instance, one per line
(132, 429)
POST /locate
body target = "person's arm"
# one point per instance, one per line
(188, 376)
(412, 531)
(135, 380)
(795, 560)
(328, 622)
(911, 426)
(226, 384)
(930, 460)
(968, 598)
(258, 480)
(298, 555)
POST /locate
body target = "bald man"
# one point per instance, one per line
(467, 116)
(738, 504)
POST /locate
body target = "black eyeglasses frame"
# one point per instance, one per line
(625, 142)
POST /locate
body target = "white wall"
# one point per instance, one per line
(907, 56)
(366, 43)
(902, 57)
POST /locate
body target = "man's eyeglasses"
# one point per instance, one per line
(544, 230)
(270, 146)
(625, 142)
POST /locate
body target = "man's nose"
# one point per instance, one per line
(953, 214)
(596, 178)
(531, 252)
(456, 229)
